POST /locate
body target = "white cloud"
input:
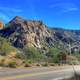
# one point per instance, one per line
(11, 9)
(64, 7)
(71, 9)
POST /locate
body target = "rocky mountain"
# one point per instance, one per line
(22, 33)
(68, 36)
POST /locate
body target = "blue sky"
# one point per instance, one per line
(54, 13)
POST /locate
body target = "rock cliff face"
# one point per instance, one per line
(25, 32)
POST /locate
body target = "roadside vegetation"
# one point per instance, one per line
(30, 56)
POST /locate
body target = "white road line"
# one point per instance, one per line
(61, 78)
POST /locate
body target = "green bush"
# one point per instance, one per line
(5, 46)
(23, 61)
(73, 62)
(44, 64)
(51, 64)
(12, 64)
(20, 54)
(53, 55)
(27, 65)
(38, 64)
(29, 61)
(31, 53)
(2, 62)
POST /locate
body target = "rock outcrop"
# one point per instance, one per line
(23, 32)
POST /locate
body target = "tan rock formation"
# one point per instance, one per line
(1, 25)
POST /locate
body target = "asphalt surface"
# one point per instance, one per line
(42, 73)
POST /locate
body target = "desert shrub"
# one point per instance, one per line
(73, 62)
(51, 64)
(38, 64)
(6, 47)
(53, 55)
(20, 55)
(12, 64)
(23, 61)
(69, 62)
(29, 61)
(27, 65)
(2, 62)
(31, 53)
(44, 64)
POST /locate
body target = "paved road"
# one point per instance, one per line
(43, 73)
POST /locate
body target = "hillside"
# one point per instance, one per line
(44, 41)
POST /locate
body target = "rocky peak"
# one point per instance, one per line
(31, 25)
(23, 32)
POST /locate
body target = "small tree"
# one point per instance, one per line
(32, 54)
(62, 57)
(53, 55)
